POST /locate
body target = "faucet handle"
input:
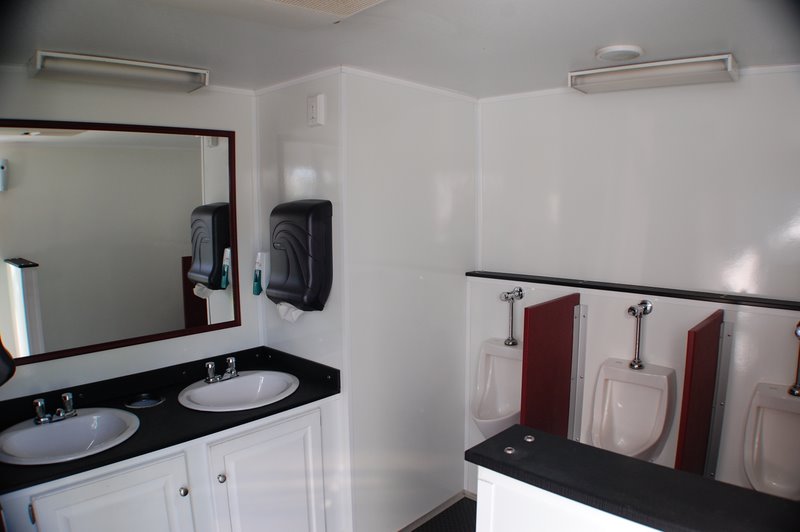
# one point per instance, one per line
(211, 372)
(39, 411)
(231, 366)
(69, 405)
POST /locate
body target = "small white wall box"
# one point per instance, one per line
(315, 110)
(3, 174)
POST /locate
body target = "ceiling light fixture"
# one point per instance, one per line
(80, 67)
(619, 52)
(705, 69)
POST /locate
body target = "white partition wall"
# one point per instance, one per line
(301, 162)
(397, 162)
(409, 199)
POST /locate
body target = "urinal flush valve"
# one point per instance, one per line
(510, 297)
(644, 308)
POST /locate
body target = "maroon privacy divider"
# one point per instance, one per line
(702, 352)
(547, 364)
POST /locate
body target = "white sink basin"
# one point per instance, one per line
(92, 431)
(251, 389)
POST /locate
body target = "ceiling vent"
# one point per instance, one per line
(339, 8)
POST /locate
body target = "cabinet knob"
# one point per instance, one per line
(221, 478)
(183, 491)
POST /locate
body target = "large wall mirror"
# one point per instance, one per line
(96, 239)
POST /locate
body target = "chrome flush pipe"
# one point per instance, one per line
(644, 308)
(795, 390)
(516, 293)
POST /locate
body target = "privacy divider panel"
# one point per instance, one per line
(702, 355)
(547, 364)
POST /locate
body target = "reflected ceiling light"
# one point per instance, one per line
(705, 69)
(92, 68)
(618, 52)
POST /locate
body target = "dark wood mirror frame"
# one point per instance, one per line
(130, 128)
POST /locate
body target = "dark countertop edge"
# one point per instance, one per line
(646, 493)
(317, 382)
(713, 297)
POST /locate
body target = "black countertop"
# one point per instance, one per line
(649, 494)
(168, 423)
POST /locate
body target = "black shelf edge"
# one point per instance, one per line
(712, 297)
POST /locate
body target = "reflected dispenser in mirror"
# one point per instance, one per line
(210, 238)
(301, 255)
(7, 366)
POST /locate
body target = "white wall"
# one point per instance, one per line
(301, 162)
(683, 187)
(397, 162)
(50, 215)
(208, 108)
(409, 198)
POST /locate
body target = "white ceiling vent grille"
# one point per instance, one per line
(338, 8)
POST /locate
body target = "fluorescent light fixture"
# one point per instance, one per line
(92, 68)
(706, 69)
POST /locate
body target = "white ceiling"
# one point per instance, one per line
(479, 47)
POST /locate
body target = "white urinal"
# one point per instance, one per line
(496, 396)
(632, 408)
(771, 458)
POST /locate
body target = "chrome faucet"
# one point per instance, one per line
(42, 417)
(230, 372)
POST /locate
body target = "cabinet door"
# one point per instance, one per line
(271, 479)
(147, 498)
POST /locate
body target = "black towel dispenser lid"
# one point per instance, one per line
(7, 366)
(211, 234)
(301, 262)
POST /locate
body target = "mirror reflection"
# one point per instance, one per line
(96, 240)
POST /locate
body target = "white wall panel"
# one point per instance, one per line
(684, 187)
(302, 162)
(409, 228)
(208, 108)
(81, 293)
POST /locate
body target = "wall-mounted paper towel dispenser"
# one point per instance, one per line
(301, 256)
(211, 234)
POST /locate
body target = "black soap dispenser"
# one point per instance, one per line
(301, 255)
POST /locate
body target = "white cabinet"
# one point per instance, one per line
(262, 476)
(509, 505)
(151, 497)
(271, 478)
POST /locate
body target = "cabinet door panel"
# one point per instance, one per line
(144, 498)
(273, 478)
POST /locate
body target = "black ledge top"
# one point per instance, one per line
(649, 494)
(713, 297)
(168, 423)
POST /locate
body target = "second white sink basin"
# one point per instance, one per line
(251, 389)
(91, 431)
